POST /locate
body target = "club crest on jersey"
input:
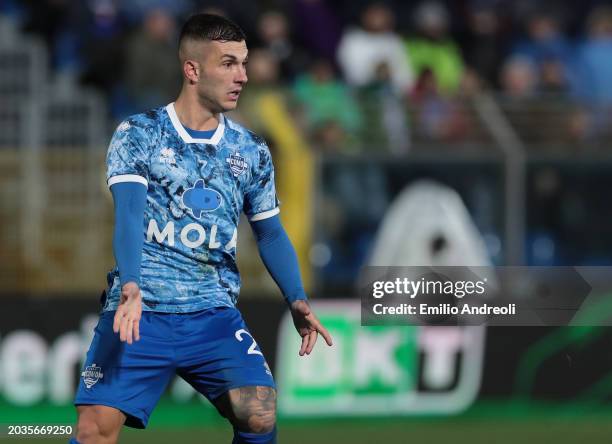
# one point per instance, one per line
(167, 156)
(91, 375)
(237, 164)
(200, 199)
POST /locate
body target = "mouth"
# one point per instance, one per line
(233, 95)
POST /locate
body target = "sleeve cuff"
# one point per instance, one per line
(298, 297)
(265, 214)
(128, 279)
(127, 178)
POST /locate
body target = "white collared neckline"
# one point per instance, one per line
(180, 129)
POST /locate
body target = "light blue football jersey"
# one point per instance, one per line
(196, 191)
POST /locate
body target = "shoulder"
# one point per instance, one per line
(142, 124)
(247, 139)
(250, 145)
(138, 131)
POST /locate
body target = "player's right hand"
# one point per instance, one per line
(127, 317)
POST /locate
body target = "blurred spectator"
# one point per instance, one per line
(519, 78)
(329, 137)
(263, 69)
(317, 15)
(326, 102)
(549, 50)
(263, 72)
(540, 120)
(103, 50)
(471, 84)
(59, 23)
(553, 77)
(483, 45)
(152, 74)
(387, 124)
(433, 49)
(544, 40)
(363, 50)
(273, 33)
(437, 117)
(136, 11)
(594, 82)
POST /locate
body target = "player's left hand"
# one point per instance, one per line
(308, 326)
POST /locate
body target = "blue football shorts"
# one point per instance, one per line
(211, 349)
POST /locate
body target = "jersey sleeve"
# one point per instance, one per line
(127, 158)
(260, 201)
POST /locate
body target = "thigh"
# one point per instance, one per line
(219, 353)
(127, 377)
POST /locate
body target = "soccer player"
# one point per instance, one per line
(183, 173)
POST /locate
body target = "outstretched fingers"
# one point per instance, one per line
(326, 335)
(312, 340)
(305, 341)
(319, 327)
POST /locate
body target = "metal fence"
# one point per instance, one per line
(51, 159)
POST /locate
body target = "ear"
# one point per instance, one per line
(191, 71)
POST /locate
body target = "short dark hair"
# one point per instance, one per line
(211, 27)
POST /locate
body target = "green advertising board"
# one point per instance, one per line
(383, 370)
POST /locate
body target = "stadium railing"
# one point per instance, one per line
(52, 150)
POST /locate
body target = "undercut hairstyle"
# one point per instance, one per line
(200, 27)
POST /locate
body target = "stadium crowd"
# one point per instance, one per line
(414, 65)
(379, 79)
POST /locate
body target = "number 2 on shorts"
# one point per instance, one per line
(252, 350)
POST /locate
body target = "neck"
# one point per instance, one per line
(193, 113)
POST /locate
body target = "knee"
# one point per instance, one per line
(88, 430)
(254, 409)
(97, 424)
(263, 422)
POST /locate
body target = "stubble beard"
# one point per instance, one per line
(211, 104)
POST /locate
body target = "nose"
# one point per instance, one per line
(241, 76)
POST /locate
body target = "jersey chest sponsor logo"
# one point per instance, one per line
(91, 375)
(237, 164)
(192, 235)
(200, 199)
